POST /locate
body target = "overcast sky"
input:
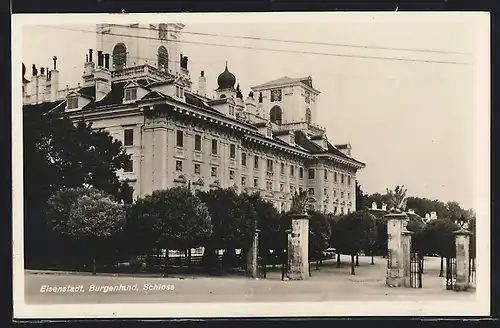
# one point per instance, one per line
(412, 123)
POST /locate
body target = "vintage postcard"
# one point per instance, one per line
(242, 165)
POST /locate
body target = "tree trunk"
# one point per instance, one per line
(372, 263)
(353, 272)
(357, 260)
(422, 265)
(441, 271)
(317, 265)
(338, 260)
(94, 270)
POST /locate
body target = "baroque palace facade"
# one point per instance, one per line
(267, 142)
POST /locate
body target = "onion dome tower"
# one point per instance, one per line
(226, 82)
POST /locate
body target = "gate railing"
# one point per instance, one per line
(415, 270)
(451, 272)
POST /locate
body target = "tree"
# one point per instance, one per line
(299, 203)
(360, 198)
(440, 238)
(234, 221)
(171, 219)
(319, 234)
(354, 232)
(59, 154)
(94, 220)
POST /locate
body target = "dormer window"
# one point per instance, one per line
(269, 132)
(72, 102)
(130, 94)
(231, 110)
(179, 92)
(292, 139)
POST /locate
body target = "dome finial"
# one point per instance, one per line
(226, 79)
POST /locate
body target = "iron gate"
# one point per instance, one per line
(415, 270)
(451, 272)
(472, 271)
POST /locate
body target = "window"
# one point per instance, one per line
(310, 191)
(128, 138)
(178, 166)
(213, 172)
(197, 169)
(300, 190)
(269, 165)
(275, 114)
(243, 159)
(342, 178)
(232, 151)
(197, 142)
(180, 138)
(335, 193)
(342, 210)
(281, 187)
(231, 110)
(162, 59)
(72, 102)
(255, 183)
(324, 192)
(326, 174)
(292, 189)
(243, 181)
(325, 209)
(214, 146)
(301, 173)
(292, 170)
(269, 185)
(276, 95)
(342, 194)
(179, 92)
(282, 170)
(308, 115)
(311, 207)
(348, 210)
(335, 177)
(349, 180)
(231, 175)
(129, 166)
(335, 210)
(269, 132)
(348, 195)
(130, 94)
(120, 56)
(311, 174)
(256, 162)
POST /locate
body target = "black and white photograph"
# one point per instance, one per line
(239, 165)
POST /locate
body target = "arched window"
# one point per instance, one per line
(276, 114)
(120, 56)
(163, 59)
(308, 115)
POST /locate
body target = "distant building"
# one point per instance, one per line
(383, 210)
(139, 89)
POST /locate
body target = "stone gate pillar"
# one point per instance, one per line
(253, 255)
(395, 259)
(462, 237)
(406, 248)
(298, 248)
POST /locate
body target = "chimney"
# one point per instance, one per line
(202, 84)
(90, 60)
(42, 84)
(102, 78)
(384, 207)
(433, 215)
(374, 205)
(34, 83)
(88, 70)
(54, 80)
(427, 216)
(100, 62)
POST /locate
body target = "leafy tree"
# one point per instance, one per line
(299, 203)
(378, 198)
(94, 220)
(171, 219)
(354, 232)
(234, 221)
(59, 154)
(440, 238)
(360, 199)
(319, 234)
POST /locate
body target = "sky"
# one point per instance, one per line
(412, 122)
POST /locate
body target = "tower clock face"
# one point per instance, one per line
(276, 95)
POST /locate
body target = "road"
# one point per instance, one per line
(327, 284)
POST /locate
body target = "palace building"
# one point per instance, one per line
(139, 89)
